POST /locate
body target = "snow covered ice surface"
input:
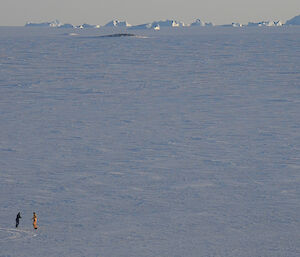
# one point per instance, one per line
(184, 143)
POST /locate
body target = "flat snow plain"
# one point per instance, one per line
(178, 143)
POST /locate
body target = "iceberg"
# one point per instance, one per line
(209, 24)
(142, 26)
(56, 24)
(87, 26)
(294, 21)
(265, 24)
(198, 22)
(66, 26)
(236, 24)
(43, 24)
(278, 23)
(233, 24)
(52, 24)
(157, 25)
(116, 23)
(146, 26)
(167, 23)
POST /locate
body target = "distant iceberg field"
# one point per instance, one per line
(156, 25)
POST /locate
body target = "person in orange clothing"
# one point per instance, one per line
(34, 221)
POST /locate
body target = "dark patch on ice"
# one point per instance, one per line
(127, 121)
(277, 100)
(120, 35)
(113, 35)
(196, 138)
(7, 150)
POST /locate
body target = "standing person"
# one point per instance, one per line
(18, 219)
(34, 221)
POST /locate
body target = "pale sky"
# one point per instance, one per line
(99, 12)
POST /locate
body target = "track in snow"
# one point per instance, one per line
(7, 234)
